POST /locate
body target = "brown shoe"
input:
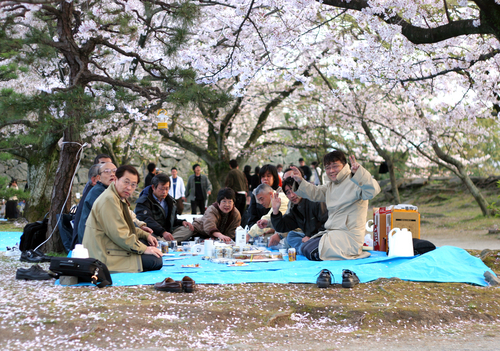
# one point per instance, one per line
(188, 284)
(169, 285)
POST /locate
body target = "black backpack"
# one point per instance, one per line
(33, 235)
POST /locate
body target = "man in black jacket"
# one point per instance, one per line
(307, 215)
(158, 209)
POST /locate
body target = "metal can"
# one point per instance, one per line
(292, 255)
(163, 247)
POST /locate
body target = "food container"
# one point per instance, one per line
(227, 252)
(218, 252)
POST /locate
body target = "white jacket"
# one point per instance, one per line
(179, 189)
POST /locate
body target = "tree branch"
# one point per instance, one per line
(419, 35)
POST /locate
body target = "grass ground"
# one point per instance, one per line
(388, 313)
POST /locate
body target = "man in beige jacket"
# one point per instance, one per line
(346, 196)
(110, 234)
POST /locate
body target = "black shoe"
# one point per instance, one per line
(349, 279)
(34, 273)
(34, 256)
(324, 279)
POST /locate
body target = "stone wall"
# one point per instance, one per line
(15, 169)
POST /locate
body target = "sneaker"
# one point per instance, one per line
(13, 251)
(324, 279)
(35, 272)
(349, 279)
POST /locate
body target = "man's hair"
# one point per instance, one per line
(120, 171)
(247, 169)
(257, 170)
(171, 169)
(233, 164)
(98, 157)
(93, 171)
(334, 156)
(161, 178)
(102, 165)
(274, 171)
(301, 159)
(196, 165)
(262, 188)
(151, 167)
(314, 163)
(279, 165)
(226, 193)
(291, 183)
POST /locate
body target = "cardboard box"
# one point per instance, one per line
(387, 218)
(403, 219)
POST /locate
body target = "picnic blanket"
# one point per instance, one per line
(446, 264)
(9, 239)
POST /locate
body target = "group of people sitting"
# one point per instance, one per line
(322, 222)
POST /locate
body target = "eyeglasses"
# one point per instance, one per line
(127, 184)
(108, 171)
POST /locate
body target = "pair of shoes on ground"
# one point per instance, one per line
(35, 272)
(349, 279)
(34, 256)
(186, 284)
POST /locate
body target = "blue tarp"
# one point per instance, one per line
(447, 264)
(9, 239)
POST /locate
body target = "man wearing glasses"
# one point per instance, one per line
(106, 177)
(110, 234)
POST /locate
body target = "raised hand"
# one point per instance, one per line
(296, 174)
(275, 202)
(354, 165)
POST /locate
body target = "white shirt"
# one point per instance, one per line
(179, 189)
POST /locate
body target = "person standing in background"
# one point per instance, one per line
(151, 174)
(316, 173)
(237, 181)
(177, 190)
(198, 189)
(305, 169)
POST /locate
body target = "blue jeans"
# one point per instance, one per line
(294, 239)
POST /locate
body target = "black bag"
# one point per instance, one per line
(310, 249)
(86, 269)
(33, 235)
(422, 246)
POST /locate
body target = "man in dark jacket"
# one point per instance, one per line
(237, 181)
(106, 177)
(158, 209)
(307, 215)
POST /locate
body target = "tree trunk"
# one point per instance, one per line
(461, 172)
(40, 181)
(68, 161)
(217, 174)
(394, 181)
(42, 164)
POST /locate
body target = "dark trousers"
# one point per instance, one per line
(180, 206)
(150, 262)
(240, 203)
(198, 203)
